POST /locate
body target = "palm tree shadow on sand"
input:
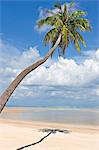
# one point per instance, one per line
(49, 131)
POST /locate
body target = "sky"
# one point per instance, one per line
(69, 82)
(19, 17)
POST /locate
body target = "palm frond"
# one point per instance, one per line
(77, 45)
(72, 35)
(50, 12)
(81, 39)
(65, 12)
(54, 20)
(84, 22)
(77, 14)
(46, 21)
(58, 5)
(50, 36)
(67, 23)
(72, 4)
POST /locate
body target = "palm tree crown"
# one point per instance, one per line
(66, 25)
(68, 22)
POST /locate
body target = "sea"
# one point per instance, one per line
(53, 115)
(55, 104)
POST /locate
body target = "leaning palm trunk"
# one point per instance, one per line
(8, 92)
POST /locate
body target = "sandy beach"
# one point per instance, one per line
(15, 134)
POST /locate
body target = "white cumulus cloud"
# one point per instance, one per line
(62, 72)
(66, 72)
(13, 60)
(64, 79)
(61, 81)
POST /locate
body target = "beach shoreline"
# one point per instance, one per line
(16, 133)
(20, 109)
(52, 115)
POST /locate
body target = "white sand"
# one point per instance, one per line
(15, 134)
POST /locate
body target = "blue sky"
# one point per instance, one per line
(18, 20)
(66, 82)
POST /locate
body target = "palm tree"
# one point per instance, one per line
(66, 25)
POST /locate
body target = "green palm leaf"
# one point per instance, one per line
(77, 45)
(58, 5)
(72, 4)
(68, 23)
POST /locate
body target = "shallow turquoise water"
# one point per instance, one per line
(59, 115)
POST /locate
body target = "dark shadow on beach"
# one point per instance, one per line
(49, 131)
